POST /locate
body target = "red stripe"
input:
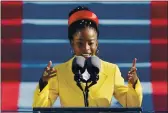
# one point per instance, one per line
(10, 92)
(159, 41)
(11, 41)
(12, 3)
(159, 22)
(12, 22)
(159, 65)
(11, 65)
(159, 3)
(160, 88)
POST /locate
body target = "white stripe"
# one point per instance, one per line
(106, 41)
(126, 2)
(84, 2)
(138, 65)
(121, 65)
(44, 41)
(27, 91)
(55, 2)
(102, 21)
(126, 41)
(124, 22)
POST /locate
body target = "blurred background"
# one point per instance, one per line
(35, 32)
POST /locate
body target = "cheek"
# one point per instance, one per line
(94, 48)
(77, 51)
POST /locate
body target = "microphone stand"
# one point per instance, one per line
(86, 93)
(94, 78)
(78, 79)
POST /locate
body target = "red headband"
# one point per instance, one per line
(83, 15)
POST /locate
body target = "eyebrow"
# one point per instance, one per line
(88, 40)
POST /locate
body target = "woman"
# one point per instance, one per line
(59, 81)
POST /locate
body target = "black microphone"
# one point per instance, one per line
(93, 67)
(78, 65)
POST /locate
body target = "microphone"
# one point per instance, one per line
(93, 67)
(78, 67)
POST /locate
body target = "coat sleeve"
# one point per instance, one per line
(48, 95)
(126, 94)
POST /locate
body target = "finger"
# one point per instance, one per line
(53, 75)
(130, 78)
(47, 69)
(49, 64)
(130, 75)
(132, 70)
(134, 62)
(52, 69)
(45, 73)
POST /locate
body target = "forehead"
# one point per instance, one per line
(86, 34)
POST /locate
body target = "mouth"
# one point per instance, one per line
(86, 55)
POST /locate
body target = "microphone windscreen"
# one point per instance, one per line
(78, 64)
(93, 65)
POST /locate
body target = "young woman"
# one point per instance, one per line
(59, 81)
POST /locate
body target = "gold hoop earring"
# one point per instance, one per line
(97, 51)
(72, 52)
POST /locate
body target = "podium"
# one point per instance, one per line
(87, 110)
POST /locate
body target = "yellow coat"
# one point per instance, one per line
(110, 84)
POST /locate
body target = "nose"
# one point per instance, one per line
(86, 48)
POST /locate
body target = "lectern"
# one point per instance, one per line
(87, 110)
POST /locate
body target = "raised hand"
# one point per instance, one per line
(49, 72)
(132, 75)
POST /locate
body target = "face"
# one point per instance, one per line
(85, 42)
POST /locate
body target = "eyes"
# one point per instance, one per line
(81, 44)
